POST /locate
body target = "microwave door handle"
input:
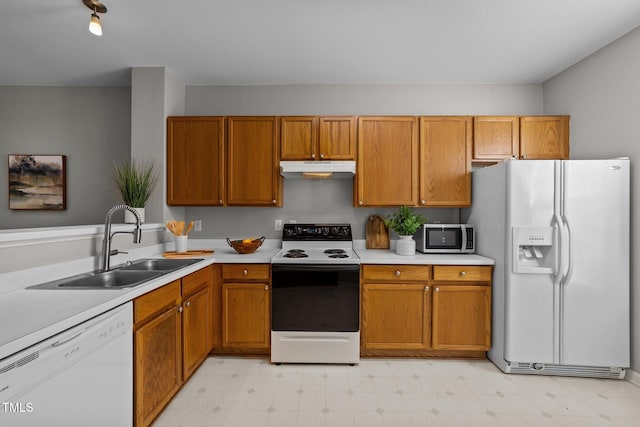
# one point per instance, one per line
(463, 230)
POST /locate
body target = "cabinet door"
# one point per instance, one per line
(298, 140)
(195, 161)
(253, 162)
(157, 365)
(387, 172)
(445, 161)
(395, 316)
(246, 321)
(461, 317)
(196, 330)
(496, 137)
(544, 137)
(337, 140)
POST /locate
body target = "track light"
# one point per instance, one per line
(95, 26)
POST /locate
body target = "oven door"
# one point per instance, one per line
(315, 297)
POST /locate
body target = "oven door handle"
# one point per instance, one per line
(315, 267)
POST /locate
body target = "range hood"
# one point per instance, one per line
(319, 169)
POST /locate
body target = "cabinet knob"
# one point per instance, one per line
(321, 156)
(220, 201)
(426, 288)
(266, 287)
(188, 303)
(180, 309)
(437, 289)
(524, 156)
(273, 201)
(245, 272)
(360, 202)
(423, 202)
(397, 273)
(313, 155)
(463, 273)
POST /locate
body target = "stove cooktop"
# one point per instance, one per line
(316, 244)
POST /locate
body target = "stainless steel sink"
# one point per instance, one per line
(114, 279)
(126, 276)
(159, 264)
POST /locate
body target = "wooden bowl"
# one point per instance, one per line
(245, 247)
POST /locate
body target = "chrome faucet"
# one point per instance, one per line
(106, 241)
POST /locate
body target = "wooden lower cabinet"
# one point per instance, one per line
(439, 311)
(461, 308)
(396, 316)
(172, 337)
(157, 351)
(242, 295)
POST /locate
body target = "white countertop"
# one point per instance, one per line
(29, 316)
(386, 256)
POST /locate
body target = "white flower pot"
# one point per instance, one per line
(130, 218)
(406, 245)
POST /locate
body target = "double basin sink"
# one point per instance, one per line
(125, 276)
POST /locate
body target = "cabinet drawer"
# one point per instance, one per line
(156, 301)
(395, 273)
(246, 272)
(195, 281)
(462, 273)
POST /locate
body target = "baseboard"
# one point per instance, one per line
(633, 377)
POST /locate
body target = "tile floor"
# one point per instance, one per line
(234, 391)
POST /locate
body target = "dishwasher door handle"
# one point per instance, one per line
(66, 340)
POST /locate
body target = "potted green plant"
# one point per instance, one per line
(405, 223)
(135, 182)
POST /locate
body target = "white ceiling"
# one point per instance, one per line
(215, 42)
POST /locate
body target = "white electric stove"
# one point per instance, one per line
(315, 300)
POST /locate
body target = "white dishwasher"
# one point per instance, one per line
(80, 377)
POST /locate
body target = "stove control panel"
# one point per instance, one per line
(317, 232)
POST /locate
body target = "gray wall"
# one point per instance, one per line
(332, 201)
(90, 125)
(602, 95)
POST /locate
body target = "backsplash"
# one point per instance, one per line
(305, 201)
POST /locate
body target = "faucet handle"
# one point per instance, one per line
(116, 252)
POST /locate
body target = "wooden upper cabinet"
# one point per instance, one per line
(195, 161)
(337, 138)
(253, 177)
(317, 138)
(496, 137)
(299, 137)
(445, 161)
(544, 137)
(387, 170)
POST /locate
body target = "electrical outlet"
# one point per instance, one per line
(197, 225)
(293, 221)
(278, 225)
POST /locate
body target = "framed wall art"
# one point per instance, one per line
(37, 182)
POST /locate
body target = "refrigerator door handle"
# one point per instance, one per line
(565, 255)
(557, 242)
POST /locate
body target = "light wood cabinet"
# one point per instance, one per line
(318, 138)
(461, 308)
(253, 148)
(496, 137)
(195, 161)
(445, 161)
(246, 307)
(544, 137)
(387, 170)
(172, 337)
(197, 319)
(157, 351)
(396, 305)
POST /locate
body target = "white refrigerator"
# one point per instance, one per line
(559, 234)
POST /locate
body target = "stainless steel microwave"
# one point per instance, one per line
(446, 239)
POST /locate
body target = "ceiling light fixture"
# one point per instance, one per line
(95, 27)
